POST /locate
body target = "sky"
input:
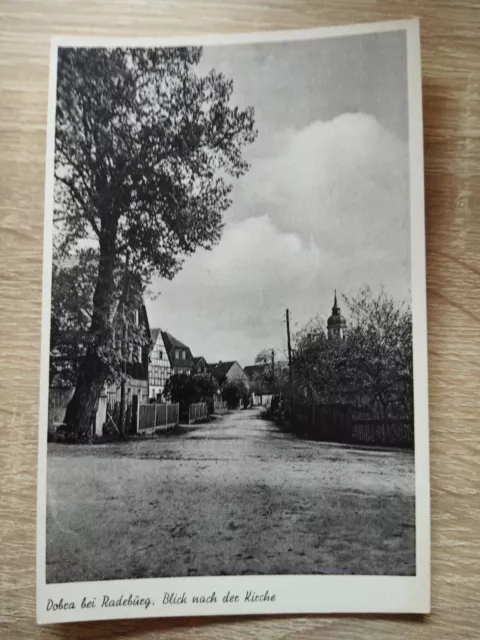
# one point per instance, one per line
(324, 206)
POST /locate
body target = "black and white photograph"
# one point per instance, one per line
(234, 360)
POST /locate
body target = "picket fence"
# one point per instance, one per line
(155, 417)
(197, 412)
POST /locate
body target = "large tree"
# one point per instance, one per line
(73, 283)
(187, 389)
(233, 391)
(372, 366)
(381, 350)
(271, 374)
(145, 153)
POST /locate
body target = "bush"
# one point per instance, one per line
(233, 391)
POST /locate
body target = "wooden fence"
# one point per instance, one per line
(346, 424)
(374, 429)
(219, 406)
(155, 417)
(197, 412)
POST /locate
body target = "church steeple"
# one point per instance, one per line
(335, 308)
(336, 324)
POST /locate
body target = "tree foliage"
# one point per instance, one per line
(143, 146)
(372, 366)
(186, 389)
(71, 313)
(180, 389)
(271, 373)
(145, 154)
(264, 375)
(233, 391)
(205, 385)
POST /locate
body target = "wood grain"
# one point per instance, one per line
(451, 77)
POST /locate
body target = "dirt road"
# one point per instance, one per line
(235, 496)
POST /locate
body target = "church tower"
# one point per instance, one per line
(336, 324)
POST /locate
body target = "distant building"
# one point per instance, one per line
(137, 365)
(159, 368)
(231, 371)
(228, 371)
(200, 365)
(179, 355)
(253, 371)
(336, 324)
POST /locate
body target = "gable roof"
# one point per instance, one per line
(251, 370)
(171, 345)
(171, 342)
(155, 333)
(143, 310)
(221, 369)
(200, 361)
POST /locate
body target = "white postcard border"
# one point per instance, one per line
(293, 593)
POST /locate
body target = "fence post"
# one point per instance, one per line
(135, 414)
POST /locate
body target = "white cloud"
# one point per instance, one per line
(344, 182)
(229, 303)
(329, 210)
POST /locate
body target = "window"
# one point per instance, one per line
(184, 355)
(177, 356)
(136, 317)
(139, 354)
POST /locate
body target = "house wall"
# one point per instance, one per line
(180, 370)
(237, 373)
(159, 368)
(132, 388)
(201, 367)
(264, 400)
(137, 366)
(101, 414)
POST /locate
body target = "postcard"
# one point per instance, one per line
(234, 388)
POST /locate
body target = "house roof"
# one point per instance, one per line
(260, 385)
(171, 341)
(155, 333)
(145, 317)
(198, 359)
(221, 369)
(251, 370)
(171, 345)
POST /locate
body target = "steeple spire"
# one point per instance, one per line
(336, 324)
(335, 308)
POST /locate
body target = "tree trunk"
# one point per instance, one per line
(82, 407)
(94, 368)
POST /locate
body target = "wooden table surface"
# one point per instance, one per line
(451, 89)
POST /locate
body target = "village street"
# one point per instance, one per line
(235, 496)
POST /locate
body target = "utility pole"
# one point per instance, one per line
(273, 370)
(290, 363)
(212, 391)
(289, 351)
